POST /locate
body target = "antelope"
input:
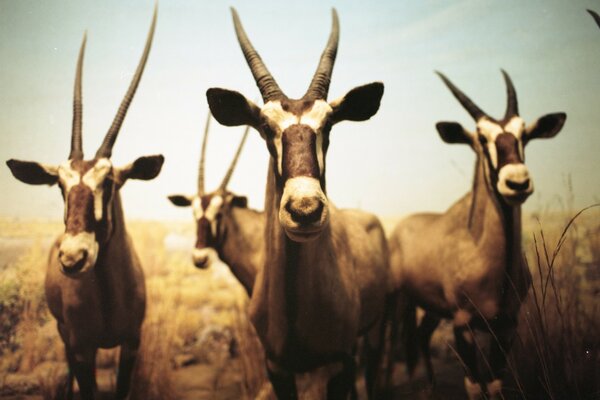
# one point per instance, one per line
(325, 274)
(94, 282)
(225, 224)
(466, 264)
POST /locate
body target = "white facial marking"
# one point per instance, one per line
(94, 179)
(197, 207)
(68, 176)
(517, 173)
(281, 120)
(490, 130)
(213, 208)
(74, 247)
(316, 118)
(211, 211)
(516, 126)
(203, 258)
(298, 188)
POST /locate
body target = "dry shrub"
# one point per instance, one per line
(26, 341)
(557, 354)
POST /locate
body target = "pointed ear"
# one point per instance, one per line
(359, 104)
(453, 132)
(239, 201)
(181, 200)
(144, 168)
(545, 127)
(33, 173)
(231, 108)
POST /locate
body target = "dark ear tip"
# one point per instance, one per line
(380, 86)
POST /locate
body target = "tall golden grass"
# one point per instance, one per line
(182, 302)
(556, 355)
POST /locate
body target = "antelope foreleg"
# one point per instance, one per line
(426, 328)
(341, 385)
(283, 382)
(466, 348)
(82, 364)
(127, 358)
(499, 349)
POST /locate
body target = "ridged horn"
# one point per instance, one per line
(512, 106)
(466, 102)
(234, 162)
(264, 80)
(319, 87)
(105, 149)
(76, 140)
(202, 156)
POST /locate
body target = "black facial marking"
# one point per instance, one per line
(80, 202)
(80, 210)
(297, 107)
(204, 235)
(299, 148)
(507, 147)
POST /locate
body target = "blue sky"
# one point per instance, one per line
(394, 164)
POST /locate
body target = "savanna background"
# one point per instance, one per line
(197, 342)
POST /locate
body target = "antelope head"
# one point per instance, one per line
(88, 187)
(209, 208)
(296, 131)
(502, 141)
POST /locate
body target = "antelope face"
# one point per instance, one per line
(297, 136)
(296, 133)
(502, 142)
(209, 211)
(88, 189)
(503, 146)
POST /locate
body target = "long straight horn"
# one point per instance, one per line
(202, 155)
(76, 141)
(264, 80)
(512, 106)
(466, 102)
(319, 87)
(235, 159)
(105, 149)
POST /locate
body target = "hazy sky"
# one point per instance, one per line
(394, 164)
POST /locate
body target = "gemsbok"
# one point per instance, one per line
(325, 275)
(225, 224)
(94, 282)
(466, 264)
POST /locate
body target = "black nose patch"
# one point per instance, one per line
(507, 147)
(299, 152)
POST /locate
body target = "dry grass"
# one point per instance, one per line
(183, 302)
(558, 350)
(557, 354)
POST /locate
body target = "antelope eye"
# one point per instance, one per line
(482, 139)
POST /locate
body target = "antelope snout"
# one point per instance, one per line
(514, 183)
(77, 253)
(304, 209)
(201, 258)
